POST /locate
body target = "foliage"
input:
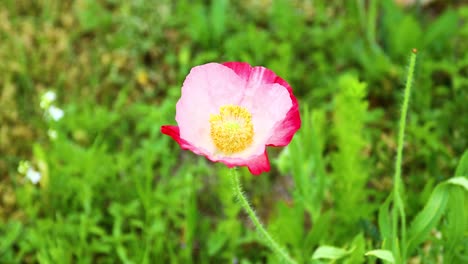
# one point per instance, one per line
(349, 162)
(114, 190)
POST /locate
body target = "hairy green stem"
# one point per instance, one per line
(398, 188)
(264, 234)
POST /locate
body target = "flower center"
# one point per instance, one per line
(232, 129)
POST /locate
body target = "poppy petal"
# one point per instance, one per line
(267, 97)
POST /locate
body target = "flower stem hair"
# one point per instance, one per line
(258, 225)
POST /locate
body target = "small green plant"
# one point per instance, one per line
(350, 173)
(401, 240)
(101, 184)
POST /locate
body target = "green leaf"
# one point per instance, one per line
(460, 181)
(386, 255)
(293, 218)
(403, 35)
(428, 218)
(13, 230)
(218, 18)
(329, 252)
(456, 224)
(440, 32)
(216, 242)
(462, 168)
(385, 225)
(359, 245)
(350, 168)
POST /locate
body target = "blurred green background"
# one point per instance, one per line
(115, 190)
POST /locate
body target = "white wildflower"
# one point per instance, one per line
(33, 175)
(47, 99)
(55, 113)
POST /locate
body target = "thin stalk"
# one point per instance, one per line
(371, 25)
(264, 234)
(398, 188)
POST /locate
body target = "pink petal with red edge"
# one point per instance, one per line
(268, 105)
(206, 88)
(256, 165)
(285, 130)
(259, 164)
(173, 132)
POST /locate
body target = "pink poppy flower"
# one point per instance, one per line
(230, 112)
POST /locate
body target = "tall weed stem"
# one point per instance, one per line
(398, 188)
(371, 24)
(264, 234)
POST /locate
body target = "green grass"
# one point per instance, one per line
(115, 190)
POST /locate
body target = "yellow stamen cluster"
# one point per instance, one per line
(232, 129)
